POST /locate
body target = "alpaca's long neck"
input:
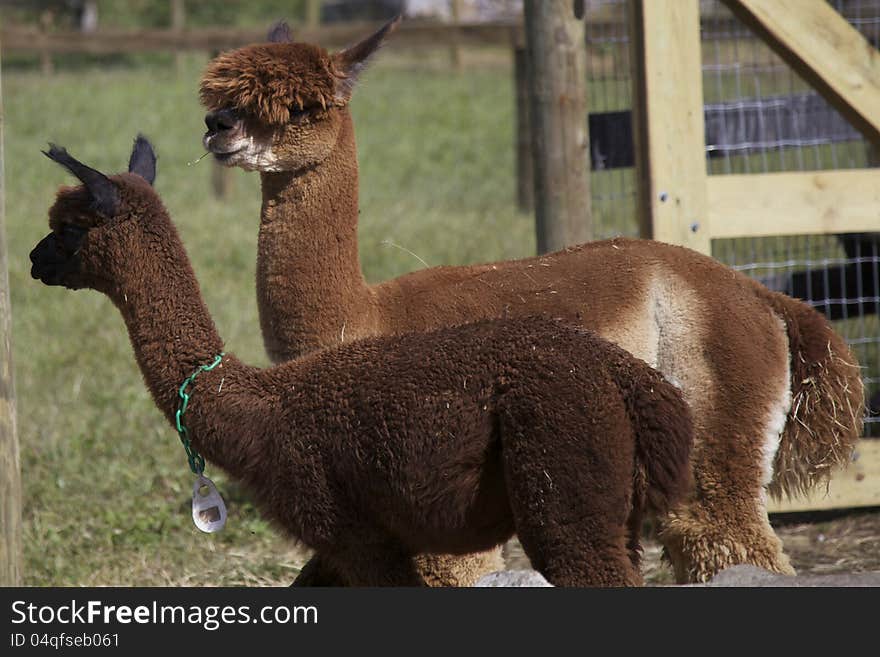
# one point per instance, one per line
(172, 334)
(310, 289)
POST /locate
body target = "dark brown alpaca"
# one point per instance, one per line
(372, 452)
(776, 394)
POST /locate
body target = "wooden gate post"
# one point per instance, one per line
(557, 70)
(10, 468)
(668, 123)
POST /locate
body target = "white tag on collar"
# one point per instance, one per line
(208, 508)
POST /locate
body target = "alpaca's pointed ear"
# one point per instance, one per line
(350, 62)
(103, 191)
(280, 33)
(143, 159)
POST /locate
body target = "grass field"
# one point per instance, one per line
(106, 484)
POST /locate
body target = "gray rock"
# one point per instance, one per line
(735, 576)
(520, 578)
(752, 576)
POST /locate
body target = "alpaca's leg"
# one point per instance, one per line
(634, 535)
(458, 570)
(571, 542)
(318, 572)
(585, 562)
(372, 563)
(434, 569)
(714, 532)
(569, 476)
(725, 523)
(740, 401)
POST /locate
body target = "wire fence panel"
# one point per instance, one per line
(609, 89)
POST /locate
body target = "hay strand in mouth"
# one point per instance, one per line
(194, 162)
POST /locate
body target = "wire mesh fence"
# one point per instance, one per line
(609, 88)
(761, 117)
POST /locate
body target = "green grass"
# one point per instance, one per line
(106, 484)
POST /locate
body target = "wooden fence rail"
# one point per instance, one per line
(108, 41)
(418, 33)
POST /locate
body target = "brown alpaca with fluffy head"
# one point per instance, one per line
(372, 452)
(776, 394)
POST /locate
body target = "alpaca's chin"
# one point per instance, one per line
(247, 154)
(226, 158)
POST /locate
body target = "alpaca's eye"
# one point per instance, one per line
(297, 114)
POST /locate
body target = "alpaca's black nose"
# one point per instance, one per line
(221, 120)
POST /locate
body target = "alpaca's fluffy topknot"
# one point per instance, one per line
(269, 80)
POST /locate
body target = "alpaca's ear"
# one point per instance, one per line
(103, 191)
(352, 61)
(280, 33)
(143, 159)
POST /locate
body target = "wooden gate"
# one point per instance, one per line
(679, 202)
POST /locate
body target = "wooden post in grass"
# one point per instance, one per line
(557, 70)
(221, 179)
(47, 18)
(313, 13)
(221, 176)
(525, 184)
(178, 23)
(455, 46)
(10, 469)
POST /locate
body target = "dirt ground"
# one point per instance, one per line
(818, 543)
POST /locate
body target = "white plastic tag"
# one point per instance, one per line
(208, 508)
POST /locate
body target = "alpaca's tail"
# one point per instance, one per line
(828, 399)
(663, 429)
